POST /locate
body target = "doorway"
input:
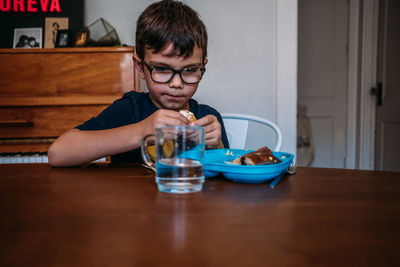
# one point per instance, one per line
(360, 129)
(322, 78)
(387, 91)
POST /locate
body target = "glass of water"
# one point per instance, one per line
(176, 154)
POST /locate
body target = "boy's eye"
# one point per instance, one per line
(190, 70)
(162, 69)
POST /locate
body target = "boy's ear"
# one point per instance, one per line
(205, 61)
(138, 65)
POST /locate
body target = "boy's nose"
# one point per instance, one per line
(176, 81)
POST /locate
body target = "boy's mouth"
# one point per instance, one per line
(173, 98)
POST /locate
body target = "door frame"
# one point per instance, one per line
(286, 72)
(362, 76)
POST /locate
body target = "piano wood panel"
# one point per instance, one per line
(25, 145)
(44, 121)
(45, 92)
(66, 72)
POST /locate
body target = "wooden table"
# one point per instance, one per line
(114, 216)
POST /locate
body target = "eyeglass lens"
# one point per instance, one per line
(165, 74)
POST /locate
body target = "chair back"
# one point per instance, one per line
(236, 126)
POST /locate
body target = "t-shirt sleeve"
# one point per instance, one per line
(118, 114)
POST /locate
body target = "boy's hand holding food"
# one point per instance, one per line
(212, 130)
(163, 117)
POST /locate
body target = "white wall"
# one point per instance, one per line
(242, 73)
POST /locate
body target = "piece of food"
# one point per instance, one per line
(261, 156)
(189, 115)
(168, 148)
(151, 150)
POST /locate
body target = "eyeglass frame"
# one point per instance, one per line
(151, 68)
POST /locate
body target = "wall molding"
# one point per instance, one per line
(352, 154)
(368, 79)
(286, 87)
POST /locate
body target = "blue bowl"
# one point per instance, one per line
(217, 162)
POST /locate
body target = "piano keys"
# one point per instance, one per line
(30, 157)
(27, 157)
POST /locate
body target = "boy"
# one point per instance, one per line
(171, 46)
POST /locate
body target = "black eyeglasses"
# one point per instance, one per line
(163, 74)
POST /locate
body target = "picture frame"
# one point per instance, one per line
(83, 37)
(52, 26)
(63, 38)
(27, 38)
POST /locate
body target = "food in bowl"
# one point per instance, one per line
(262, 156)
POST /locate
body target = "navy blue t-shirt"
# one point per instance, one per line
(134, 107)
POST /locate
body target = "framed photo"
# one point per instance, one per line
(83, 37)
(63, 38)
(52, 25)
(27, 38)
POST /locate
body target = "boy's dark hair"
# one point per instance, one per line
(173, 22)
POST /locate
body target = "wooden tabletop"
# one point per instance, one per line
(114, 216)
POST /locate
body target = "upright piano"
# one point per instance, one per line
(45, 92)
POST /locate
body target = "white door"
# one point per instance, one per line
(387, 138)
(322, 76)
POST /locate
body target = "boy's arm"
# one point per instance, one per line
(77, 147)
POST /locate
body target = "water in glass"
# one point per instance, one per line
(179, 175)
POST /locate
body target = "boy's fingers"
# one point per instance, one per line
(204, 121)
(179, 116)
(171, 121)
(170, 115)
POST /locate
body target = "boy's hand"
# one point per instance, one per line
(212, 130)
(164, 117)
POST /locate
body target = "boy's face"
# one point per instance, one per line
(174, 94)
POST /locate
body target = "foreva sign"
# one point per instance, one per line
(31, 6)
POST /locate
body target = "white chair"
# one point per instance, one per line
(236, 126)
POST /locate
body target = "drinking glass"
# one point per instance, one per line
(176, 154)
